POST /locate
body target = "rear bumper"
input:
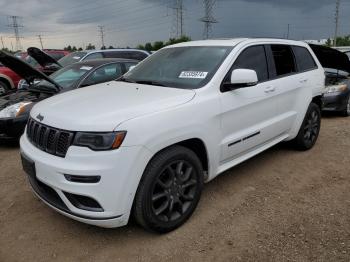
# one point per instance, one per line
(335, 101)
(12, 127)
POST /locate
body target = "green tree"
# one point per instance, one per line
(90, 47)
(157, 45)
(148, 47)
(329, 42)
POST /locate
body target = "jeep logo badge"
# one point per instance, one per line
(40, 117)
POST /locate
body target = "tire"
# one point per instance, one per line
(310, 128)
(346, 111)
(4, 87)
(169, 190)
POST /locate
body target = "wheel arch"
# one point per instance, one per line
(318, 101)
(7, 80)
(196, 145)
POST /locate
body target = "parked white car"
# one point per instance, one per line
(145, 144)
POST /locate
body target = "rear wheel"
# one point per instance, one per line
(309, 129)
(4, 88)
(346, 111)
(170, 190)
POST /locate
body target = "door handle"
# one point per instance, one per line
(303, 80)
(270, 89)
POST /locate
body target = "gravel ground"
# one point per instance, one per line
(282, 205)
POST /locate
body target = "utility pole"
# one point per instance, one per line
(208, 18)
(41, 41)
(336, 22)
(178, 21)
(2, 42)
(288, 31)
(16, 25)
(101, 29)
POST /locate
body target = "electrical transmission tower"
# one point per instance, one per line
(101, 29)
(15, 24)
(336, 22)
(208, 18)
(178, 22)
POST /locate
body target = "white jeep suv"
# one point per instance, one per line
(145, 144)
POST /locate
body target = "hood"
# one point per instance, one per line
(41, 57)
(23, 69)
(331, 58)
(101, 108)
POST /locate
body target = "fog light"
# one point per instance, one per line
(83, 179)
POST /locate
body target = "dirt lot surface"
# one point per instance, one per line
(279, 206)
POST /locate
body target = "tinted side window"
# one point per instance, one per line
(126, 54)
(104, 74)
(137, 55)
(253, 58)
(116, 54)
(284, 59)
(93, 56)
(304, 59)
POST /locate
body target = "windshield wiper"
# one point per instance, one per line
(149, 82)
(123, 79)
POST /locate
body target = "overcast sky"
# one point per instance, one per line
(130, 22)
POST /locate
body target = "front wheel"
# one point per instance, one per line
(169, 190)
(309, 129)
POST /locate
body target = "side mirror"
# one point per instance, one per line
(131, 67)
(241, 78)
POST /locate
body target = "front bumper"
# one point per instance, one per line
(120, 171)
(335, 101)
(12, 127)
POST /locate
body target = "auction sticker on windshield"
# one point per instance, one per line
(193, 74)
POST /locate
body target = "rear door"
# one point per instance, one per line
(248, 113)
(287, 82)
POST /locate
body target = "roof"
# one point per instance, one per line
(115, 50)
(236, 41)
(102, 61)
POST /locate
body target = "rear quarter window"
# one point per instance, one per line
(304, 59)
(136, 55)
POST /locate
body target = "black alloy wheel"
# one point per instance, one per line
(169, 190)
(174, 190)
(309, 129)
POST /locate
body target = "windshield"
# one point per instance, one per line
(67, 77)
(181, 67)
(71, 58)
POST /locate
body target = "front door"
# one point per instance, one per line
(248, 114)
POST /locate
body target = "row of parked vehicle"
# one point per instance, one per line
(47, 77)
(145, 143)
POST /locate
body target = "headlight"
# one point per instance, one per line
(14, 110)
(337, 88)
(100, 141)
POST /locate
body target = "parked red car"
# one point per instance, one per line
(9, 79)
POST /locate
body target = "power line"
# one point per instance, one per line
(16, 25)
(41, 41)
(336, 22)
(208, 18)
(101, 29)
